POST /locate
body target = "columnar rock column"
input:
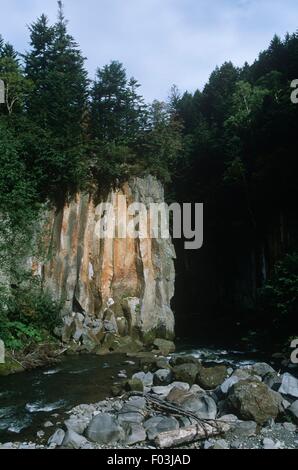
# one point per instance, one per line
(121, 285)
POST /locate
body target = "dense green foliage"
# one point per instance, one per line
(231, 145)
(240, 159)
(60, 133)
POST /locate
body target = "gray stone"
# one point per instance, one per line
(145, 378)
(40, 434)
(164, 391)
(237, 376)
(269, 444)
(294, 409)
(163, 377)
(134, 405)
(159, 424)
(202, 405)
(105, 429)
(72, 440)
(245, 428)
(229, 418)
(78, 425)
(196, 389)
(130, 417)
(57, 438)
(290, 427)
(289, 385)
(135, 433)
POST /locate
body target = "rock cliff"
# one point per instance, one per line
(120, 287)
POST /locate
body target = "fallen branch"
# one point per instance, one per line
(203, 429)
(190, 434)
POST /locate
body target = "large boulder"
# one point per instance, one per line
(201, 404)
(253, 400)
(186, 373)
(105, 429)
(289, 385)
(211, 377)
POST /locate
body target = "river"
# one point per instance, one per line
(30, 399)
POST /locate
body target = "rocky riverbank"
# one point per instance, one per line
(254, 406)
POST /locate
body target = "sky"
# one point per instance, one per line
(160, 42)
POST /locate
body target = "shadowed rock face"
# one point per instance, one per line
(128, 283)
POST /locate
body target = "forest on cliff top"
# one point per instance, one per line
(231, 145)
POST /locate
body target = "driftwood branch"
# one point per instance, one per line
(203, 429)
(190, 434)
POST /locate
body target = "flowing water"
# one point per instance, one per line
(30, 399)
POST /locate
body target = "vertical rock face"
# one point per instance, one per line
(123, 285)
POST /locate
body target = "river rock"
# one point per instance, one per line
(77, 425)
(165, 390)
(163, 363)
(289, 385)
(133, 411)
(262, 369)
(134, 405)
(183, 359)
(164, 346)
(186, 373)
(244, 429)
(145, 378)
(211, 377)
(131, 417)
(273, 380)
(72, 440)
(253, 400)
(202, 405)
(105, 429)
(163, 377)
(221, 444)
(237, 376)
(135, 433)
(293, 409)
(269, 444)
(159, 424)
(134, 385)
(57, 438)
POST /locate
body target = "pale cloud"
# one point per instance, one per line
(160, 42)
